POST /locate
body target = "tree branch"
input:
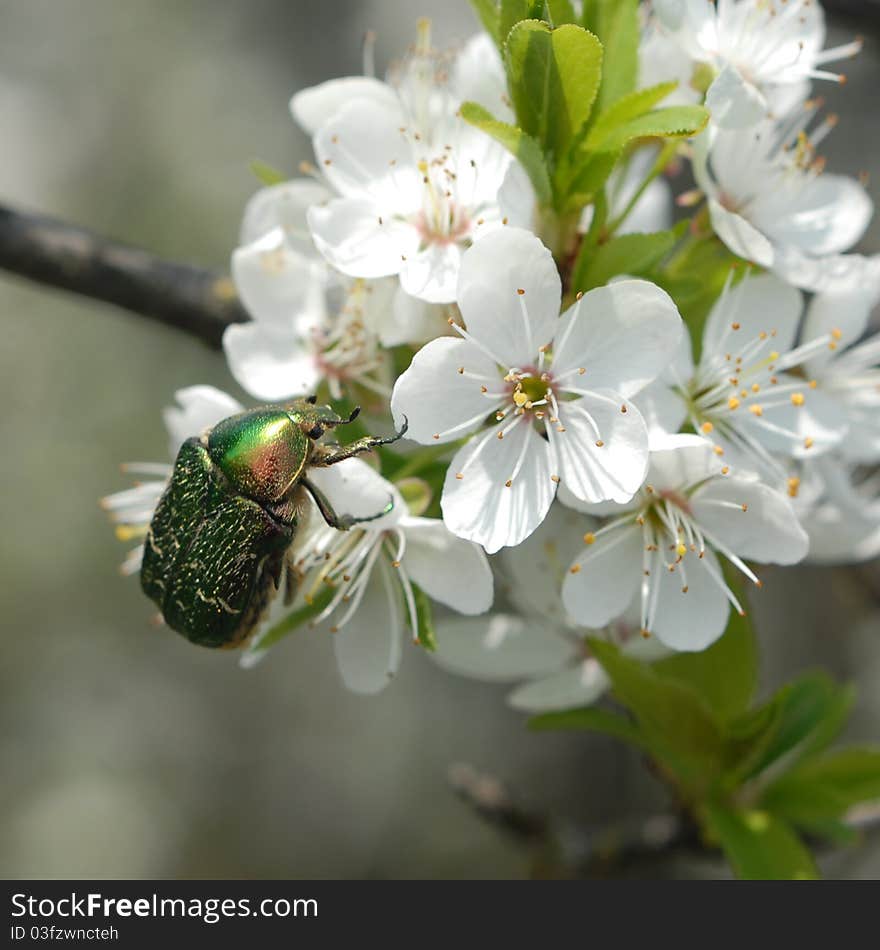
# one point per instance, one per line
(197, 300)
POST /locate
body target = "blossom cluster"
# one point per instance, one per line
(612, 418)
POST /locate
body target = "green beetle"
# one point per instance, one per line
(216, 548)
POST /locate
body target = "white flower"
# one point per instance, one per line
(478, 76)
(771, 202)
(541, 645)
(763, 52)
(369, 571)
(131, 510)
(741, 393)
(555, 389)
(660, 551)
(846, 370)
(310, 324)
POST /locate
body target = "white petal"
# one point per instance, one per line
(501, 647)
(606, 577)
(767, 531)
(432, 273)
(511, 324)
(578, 686)
(479, 506)
(833, 273)
(516, 199)
(623, 335)
(816, 426)
(741, 237)
(733, 102)
(406, 320)
(679, 462)
(278, 285)
(613, 471)
(662, 407)
(269, 365)
(284, 206)
(354, 488)
(448, 569)
(437, 400)
(312, 107)
(762, 304)
(363, 153)
(691, 621)
(846, 313)
(478, 76)
(357, 239)
(652, 211)
(201, 407)
(368, 647)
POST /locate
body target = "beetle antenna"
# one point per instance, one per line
(312, 399)
(354, 414)
(332, 423)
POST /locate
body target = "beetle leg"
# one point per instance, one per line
(340, 522)
(358, 447)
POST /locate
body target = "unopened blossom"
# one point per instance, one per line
(366, 575)
(198, 408)
(660, 552)
(546, 397)
(748, 393)
(772, 203)
(761, 55)
(540, 647)
(848, 372)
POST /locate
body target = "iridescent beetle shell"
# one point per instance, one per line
(216, 547)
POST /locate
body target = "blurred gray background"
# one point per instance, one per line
(124, 750)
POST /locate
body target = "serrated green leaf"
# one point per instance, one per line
(425, 619)
(825, 788)
(673, 719)
(514, 11)
(633, 254)
(616, 23)
(809, 713)
(669, 122)
(523, 146)
(489, 16)
(553, 77)
(725, 674)
(590, 178)
(591, 719)
(266, 173)
(760, 846)
(627, 108)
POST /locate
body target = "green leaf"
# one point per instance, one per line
(669, 122)
(673, 719)
(514, 11)
(489, 16)
(616, 23)
(591, 719)
(726, 674)
(760, 846)
(590, 178)
(824, 789)
(523, 146)
(633, 254)
(561, 11)
(425, 619)
(809, 713)
(553, 77)
(266, 173)
(626, 109)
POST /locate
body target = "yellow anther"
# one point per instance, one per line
(575, 569)
(520, 398)
(794, 485)
(836, 334)
(756, 388)
(706, 428)
(812, 384)
(797, 399)
(680, 549)
(589, 538)
(733, 403)
(756, 410)
(734, 326)
(718, 450)
(774, 356)
(808, 442)
(520, 291)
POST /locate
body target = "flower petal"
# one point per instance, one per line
(368, 647)
(740, 236)
(312, 107)
(200, 408)
(623, 335)
(269, 365)
(284, 206)
(604, 579)
(801, 431)
(767, 530)
(733, 102)
(354, 237)
(833, 273)
(612, 471)
(679, 462)
(846, 313)
(691, 621)
(579, 685)
(354, 488)
(501, 647)
(406, 319)
(432, 273)
(437, 400)
(493, 272)
(480, 507)
(448, 569)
